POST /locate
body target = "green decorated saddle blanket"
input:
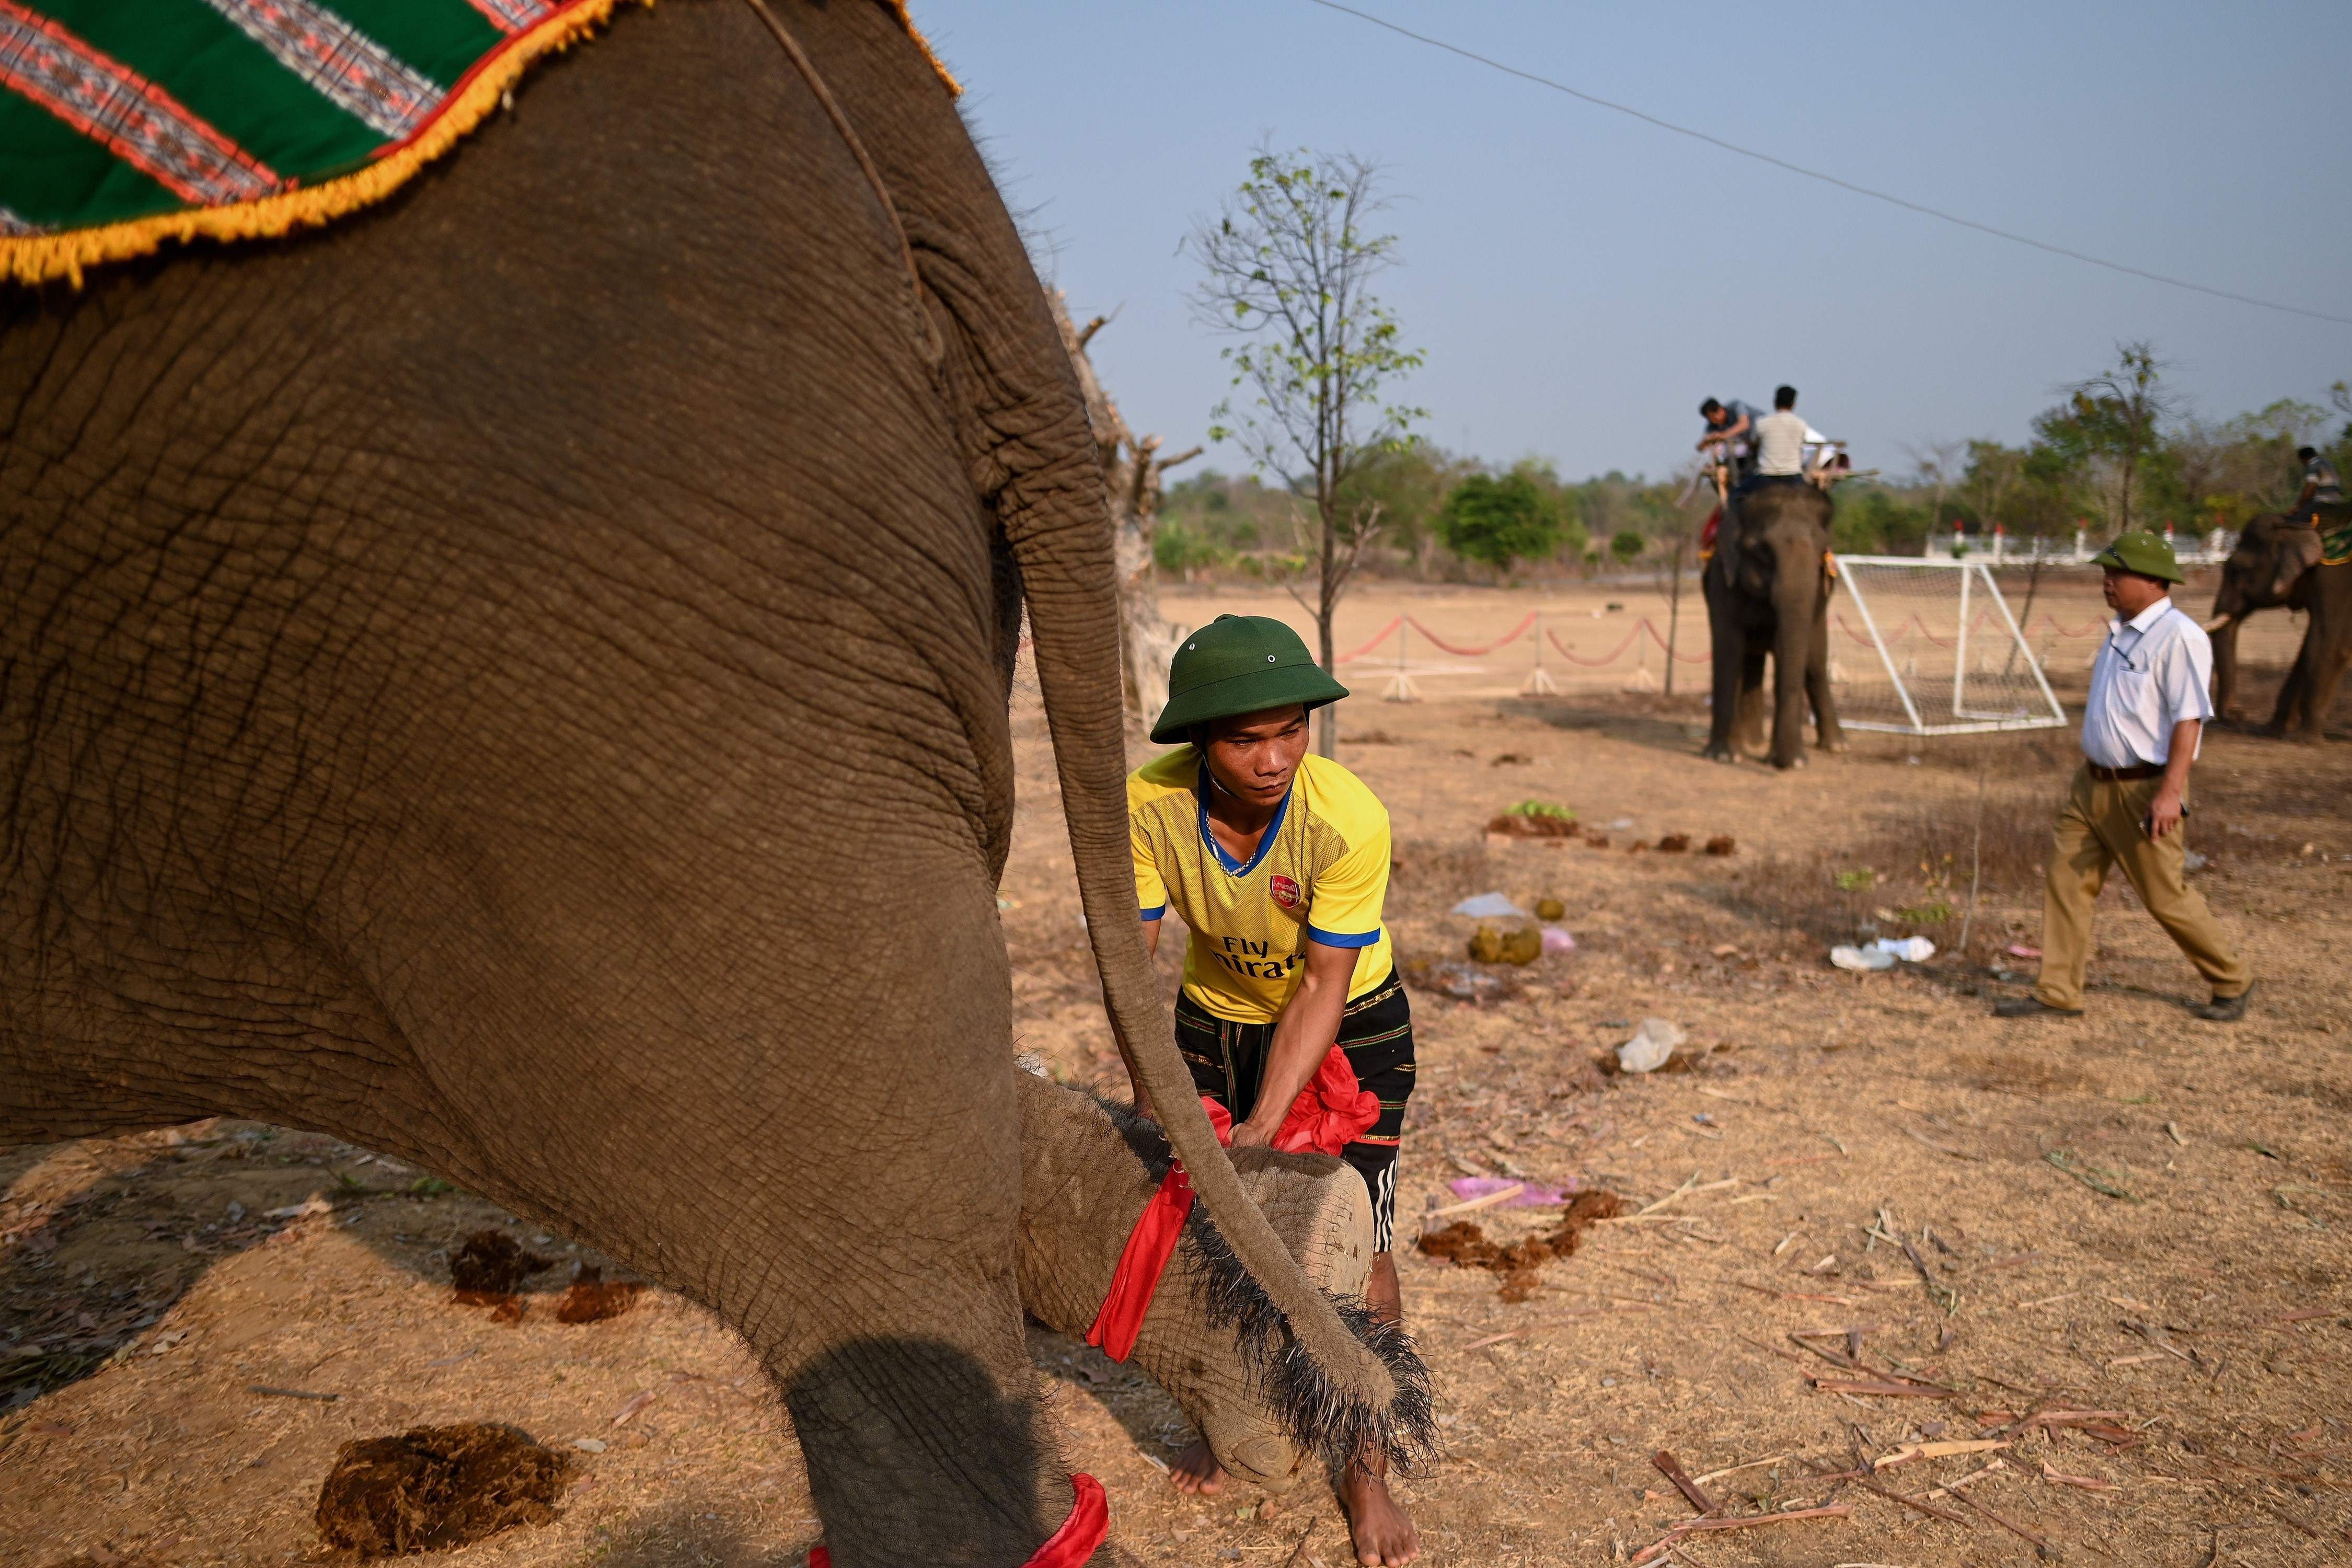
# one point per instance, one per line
(124, 124)
(2335, 538)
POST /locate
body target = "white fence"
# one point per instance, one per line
(2000, 551)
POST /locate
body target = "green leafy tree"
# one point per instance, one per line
(2106, 429)
(1503, 520)
(1288, 266)
(1627, 546)
(1406, 487)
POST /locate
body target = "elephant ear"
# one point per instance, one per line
(2298, 553)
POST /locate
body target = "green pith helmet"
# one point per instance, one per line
(2141, 551)
(1236, 665)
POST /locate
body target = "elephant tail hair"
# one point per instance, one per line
(1313, 1410)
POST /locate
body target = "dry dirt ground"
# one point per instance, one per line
(2105, 1258)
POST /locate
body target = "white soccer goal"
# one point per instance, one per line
(1926, 645)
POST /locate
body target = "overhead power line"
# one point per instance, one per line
(1827, 179)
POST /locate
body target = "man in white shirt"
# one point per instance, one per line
(1781, 437)
(2150, 696)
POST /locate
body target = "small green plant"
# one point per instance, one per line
(1542, 808)
(1927, 914)
(1856, 881)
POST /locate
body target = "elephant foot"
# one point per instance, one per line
(1837, 748)
(1791, 764)
(1719, 755)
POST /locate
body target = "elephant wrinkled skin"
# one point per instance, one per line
(517, 679)
(1768, 593)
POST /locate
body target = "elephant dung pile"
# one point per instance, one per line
(593, 1299)
(1465, 1246)
(1493, 945)
(489, 1269)
(433, 1488)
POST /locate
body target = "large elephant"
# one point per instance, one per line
(1768, 592)
(2271, 566)
(517, 679)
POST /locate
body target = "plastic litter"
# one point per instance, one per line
(1555, 940)
(1652, 1044)
(1862, 959)
(1528, 1197)
(1623, 824)
(1910, 949)
(1490, 906)
(1468, 983)
(2195, 862)
(2019, 950)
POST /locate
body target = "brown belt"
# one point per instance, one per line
(2125, 775)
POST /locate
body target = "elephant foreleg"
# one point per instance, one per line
(2291, 712)
(1749, 727)
(1725, 642)
(2225, 672)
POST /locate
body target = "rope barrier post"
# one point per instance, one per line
(1538, 684)
(1643, 680)
(1401, 687)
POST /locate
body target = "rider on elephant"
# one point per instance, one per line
(2323, 490)
(1782, 437)
(1731, 430)
(1278, 862)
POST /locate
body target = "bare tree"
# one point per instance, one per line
(1939, 465)
(1993, 471)
(1287, 268)
(1131, 473)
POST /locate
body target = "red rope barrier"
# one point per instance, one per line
(1378, 637)
(1509, 637)
(1609, 657)
(1650, 626)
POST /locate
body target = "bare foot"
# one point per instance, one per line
(1196, 1470)
(1385, 1537)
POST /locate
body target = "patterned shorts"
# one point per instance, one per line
(1228, 1059)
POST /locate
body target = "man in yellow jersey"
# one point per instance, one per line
(1278, 862)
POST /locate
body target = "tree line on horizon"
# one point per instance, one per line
(2114, 451)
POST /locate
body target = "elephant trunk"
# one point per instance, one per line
(1795, 596)
(1345, 1394)
(2224, 632)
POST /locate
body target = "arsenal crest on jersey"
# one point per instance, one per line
(1285, 891)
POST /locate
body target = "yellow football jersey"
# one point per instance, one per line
(1320, 874)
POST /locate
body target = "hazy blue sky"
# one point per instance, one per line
(1579, 281)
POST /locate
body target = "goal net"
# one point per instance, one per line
(1926, 645)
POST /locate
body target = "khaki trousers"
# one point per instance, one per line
(2098, 827)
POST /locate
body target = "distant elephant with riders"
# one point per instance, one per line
(2283, 561)
(1768, 588)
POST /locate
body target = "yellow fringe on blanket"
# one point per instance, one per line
(40, 258)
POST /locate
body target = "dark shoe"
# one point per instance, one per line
(2225, 1009)
(2032, 1007)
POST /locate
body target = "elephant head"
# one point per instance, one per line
(1088, 1171)
(2269, 567)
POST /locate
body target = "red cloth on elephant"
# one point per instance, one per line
(1331, 1113)
(1080, 1537)
(1149, 1246)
